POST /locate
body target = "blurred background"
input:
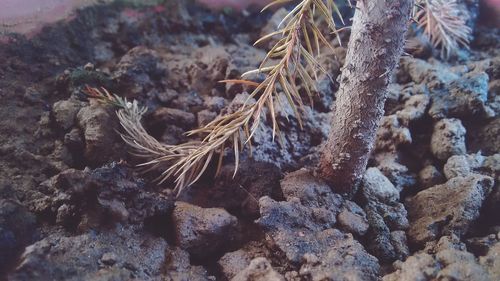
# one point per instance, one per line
(28, 16)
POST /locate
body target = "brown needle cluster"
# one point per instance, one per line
(444, 25)
(290, 60)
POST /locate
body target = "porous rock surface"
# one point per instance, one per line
(17, 230)
(448, 138)
(259, 269)
(203, 231)
(386, 216)
(67, 183)
(447, 209)
(117, 254)
(302, 231)
(446, 259)
(78, 199)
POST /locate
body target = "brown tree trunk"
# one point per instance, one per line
(375, 46)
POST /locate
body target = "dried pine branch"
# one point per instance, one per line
(294, 56)
(442, 23)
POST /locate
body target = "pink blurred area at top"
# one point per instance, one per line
(28, 16)
(237, 4)
(494, 3)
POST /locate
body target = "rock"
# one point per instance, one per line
(95, 122)
(57, 257)
(74, 141)
(260, 269)
(444, 260)
(88, 199)
(164, 116)
(234, 262)
(167, 96)
(240, 194)
(272, 26)
(189, 102)
(391, 134)
(64, 113)
(298, 232)
(311, 191)
(447, 209)
(491, 262)
(211, 67)
(345, 259)
(464, 97)
(485, 137)
(215, 104)
(172, 134)
(481, 245)
(382, 220)
(414, 108)
(17, 230)
(422, 72)
(138, 71)
(352, 219)
(294, 230)
(375, 186)
(400, 244)
(448, 139)
(430, 176)
(397, 173)
(205, 116)
(109, 258)
(178, 268)
(462, 165)
(203, 231)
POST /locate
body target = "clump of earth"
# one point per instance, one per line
(73, 206)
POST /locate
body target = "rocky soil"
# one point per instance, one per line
(73, 207)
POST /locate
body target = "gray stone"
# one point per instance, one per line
(86, 199)
(463, 165)
(384, 219)
(205, 116)
(178, 267)
(139, 70)
(234, 262)
(443, 260)
(485, 137)
(240, 193)
(388, 163)
(299, 233)
(430, 176)
(414, 108)
(203, 231)
(260, 269)
(17, 230)
(77, 257)
(345, 259)
(65, 111)
(353, 219)
(164, 115)
(391, 134)
(491, 262)
(447, 209)
(376, 186)
(400, 244)
(465, 96)
(448, 139)
(95, 122)
(311, 191)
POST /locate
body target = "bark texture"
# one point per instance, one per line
(375, 46)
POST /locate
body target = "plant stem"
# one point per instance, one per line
(375, 46)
